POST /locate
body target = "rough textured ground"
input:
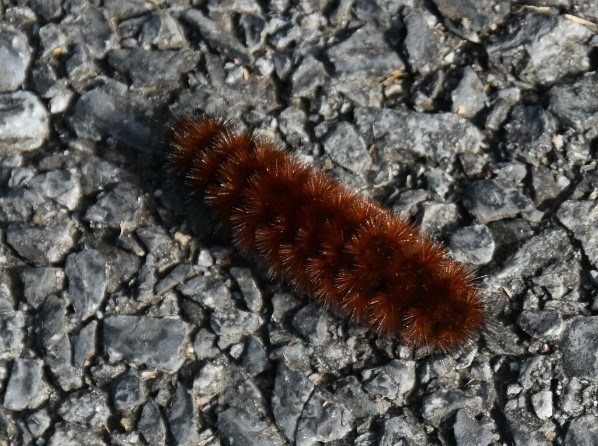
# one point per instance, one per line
(123, 320)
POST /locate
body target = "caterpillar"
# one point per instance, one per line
(324, 239)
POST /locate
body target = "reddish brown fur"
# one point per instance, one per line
(326, 240)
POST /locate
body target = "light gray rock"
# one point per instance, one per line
(580, 347)
(331, 356)
(53, 38)
(38, 423)
(18, 204)
(107, 111)
(85, 344)
(549, 246)
(115, 207)
(151, 424)
(408, 202)
(12, 325)
(437, 218)
(423, 44)
(545, 325)
(361, 404)
(393, 381)
(251, 292)
(469, 97)
(542, 404)
(72, 434)
(156, 342)
(473, 244)
(347, 148)
(153, 69)
(292, 389)
(86, 407)
(41, 245)
(126, 392)
(361, 61)
(292, 124)
(582, 431)
(529, 133)
(162, 31)
(365, 53)
(38, 283)
(255, 358)
(470, 16)
(238, 426)
(488, 200)
(24, 124)
(311, 322)
(204, 345)
(282, 305)
(571, 400)
(438, 182)
(308, 76)
(553, 47)
(439, 136)
(52, 322)
(87, 277)
(232, 325)
(556, 50)
(26, 388)
(509, 173)
(210, 291)
(581, 218)
(181, 418)
(404, 429)
(443, 403)
(212, 33)
(324, 418)
(15, 54)
(212, 379)
(93, 29)
(576, 103)
(468, 431)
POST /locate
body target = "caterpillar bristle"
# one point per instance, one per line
(186, 135)
(326, 240)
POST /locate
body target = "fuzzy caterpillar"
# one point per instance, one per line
(326, 240)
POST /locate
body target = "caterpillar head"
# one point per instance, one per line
(447, 312)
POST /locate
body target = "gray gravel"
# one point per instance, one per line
(15, 54)
(126, 318)
(24, 122)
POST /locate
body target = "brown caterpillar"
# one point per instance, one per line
(326, 240)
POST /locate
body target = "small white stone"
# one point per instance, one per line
(542, 403)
